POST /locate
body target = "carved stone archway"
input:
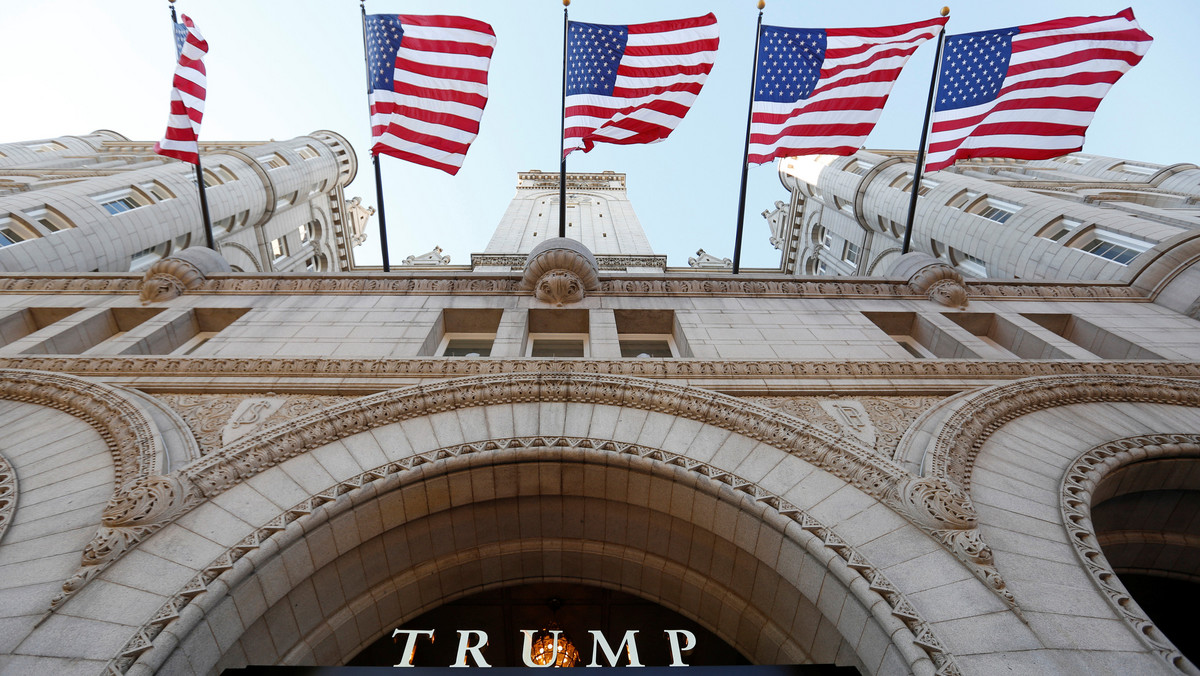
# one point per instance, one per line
(520, 482)
(1082, 478)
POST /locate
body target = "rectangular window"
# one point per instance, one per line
(463, 332)
(851, 253)
(1104, 344)
(1135, 169)
(186, 333)
(306, 232)
(558, 333)
(469, 347)
(12, 232)
(157, 190)
(273, 161)
(47, 147)
(19, 324)
(858, 167)
(918, 336)
(121, 204)
(1110, 250)
(843, 205)
(210, 179)
(279, 248)
(556, 346)
(902, 182)
(1114, 247)
(50, 219)
(971, 265)
(144, 258)
(1059, 228)
(926, 186)
(308, 153)
(96, 331)
(225, 173)
(962, 199)
(994, 209)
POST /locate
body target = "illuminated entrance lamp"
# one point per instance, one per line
(550, 645)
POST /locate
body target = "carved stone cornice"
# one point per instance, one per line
(924, 370)
(966, 429)
(8, 494)
(1075, 500)
(912, 628)
(766, 287)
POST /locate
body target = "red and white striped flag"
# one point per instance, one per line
(428, 86)
(633, 84)
(821, 91)
(1029, 92)
(187, 96)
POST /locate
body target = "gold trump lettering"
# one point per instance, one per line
(471, 643)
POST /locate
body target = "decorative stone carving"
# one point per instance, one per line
(928, 276)
(132, 514)
(249, 416)
(135, 449)
(504, 285)
(8, 494)
(852, 418)
(177, 367)
(854, 564)
(1075, 500)
(169, 277)
(705, 260)
(964, 431)
(944, 510)
(560, 271)
(559, 287)
(430, 259)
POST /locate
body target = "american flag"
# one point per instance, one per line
(428, 86)
(633, 84)
(820, 91)
(187, 95)
(1028, 92)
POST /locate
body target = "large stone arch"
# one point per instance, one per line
(830, 591)
(1022, 452)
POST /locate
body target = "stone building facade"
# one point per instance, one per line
(103, 203)
(912, 473)
(1080, 217)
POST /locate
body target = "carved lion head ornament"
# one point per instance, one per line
(560, 271)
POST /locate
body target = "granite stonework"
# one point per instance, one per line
(909, 473)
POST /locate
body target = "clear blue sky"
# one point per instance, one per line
(283, 69)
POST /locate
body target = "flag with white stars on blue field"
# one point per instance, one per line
(428, 86)
(1028, 92)
(821, 91)
(633, 84)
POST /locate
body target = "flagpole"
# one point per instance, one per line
(919, 169)
(208, 231)
(562, 167)
(383, 245)
(741, 217)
